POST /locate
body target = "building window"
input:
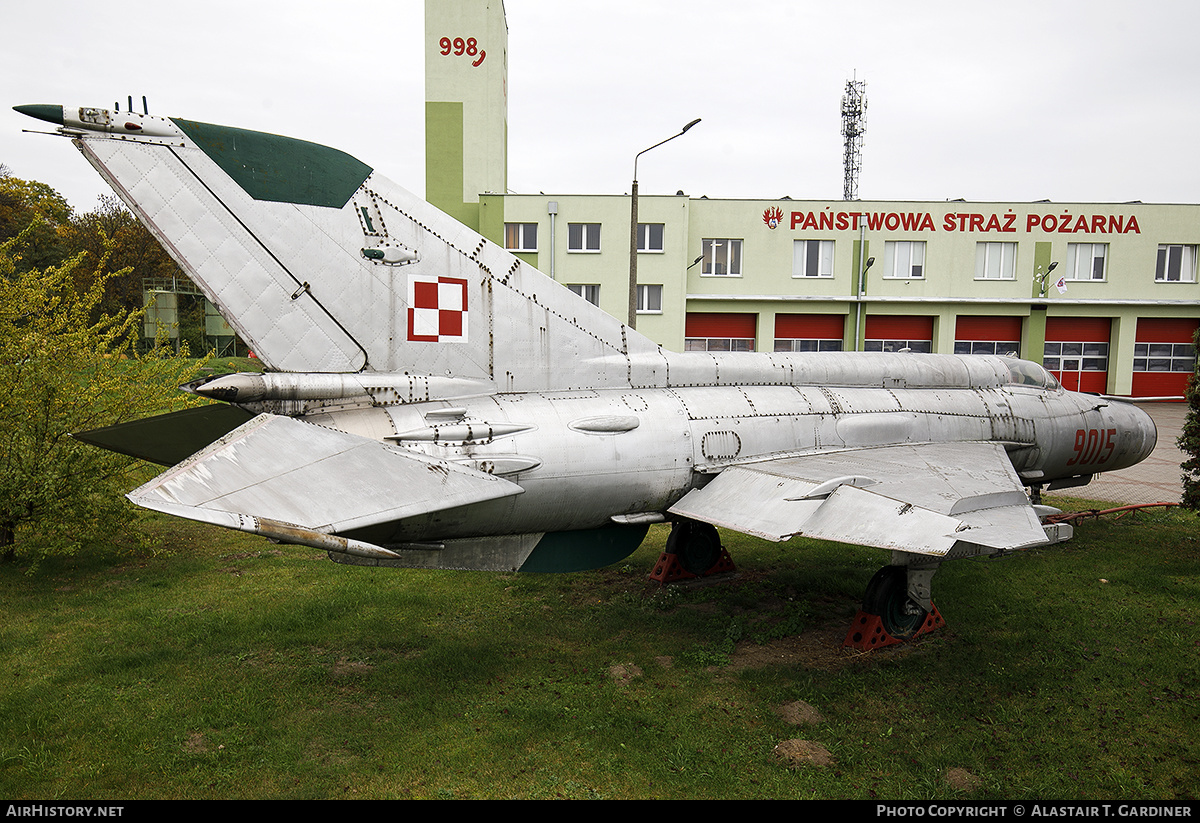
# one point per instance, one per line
(1010, 348)
(1179, 357)
(650, 237)
(1085, 261)
(806, 344)
(718, 344)
(722, 256)
(919, 346)
(583, 237)
(812, 258)
(904, 259)
(1176, 264)
(520, 236)
(588, 291)
(1081, 356)
(995, 261)
(649, 299)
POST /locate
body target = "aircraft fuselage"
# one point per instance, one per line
(592, 458)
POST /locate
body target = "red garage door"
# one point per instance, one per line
(888, 333)
(1163, 356)
(1077, 352)
(980, 334)
(809, 332)
(720, 331)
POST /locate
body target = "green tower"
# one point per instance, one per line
(466, 104)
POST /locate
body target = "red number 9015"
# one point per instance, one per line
(1093, 446)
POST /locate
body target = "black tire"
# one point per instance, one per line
(697, 545)
(887, 598)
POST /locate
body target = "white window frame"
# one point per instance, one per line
(734, 344)
(876, 344)
(588, 291)
(583, 238)
(646, 239)
(1075, 356)
(649, 299)
(716, 252)
(1163, 357)
(904, 260)
(995, 261)
(803, 252)
(1003, 348)
(525, 232)
(1186, 268)
(807, 344)
(1082, 259)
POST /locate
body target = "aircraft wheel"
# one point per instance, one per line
(887, 597)
(697, 545)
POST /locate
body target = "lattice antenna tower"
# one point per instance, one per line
(854, 125)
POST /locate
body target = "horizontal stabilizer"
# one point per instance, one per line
(168, 438)
(279, 469)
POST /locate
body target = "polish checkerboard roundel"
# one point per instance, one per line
(437, 309)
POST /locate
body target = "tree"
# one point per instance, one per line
(111, 229)
(1189, 438)
(41, 214)
(63, 370)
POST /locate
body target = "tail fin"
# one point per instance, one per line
(323, 265)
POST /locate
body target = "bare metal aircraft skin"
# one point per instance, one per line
(432, 401)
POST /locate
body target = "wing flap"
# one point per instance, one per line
(861, 517)
(922, 498)
(320, 479)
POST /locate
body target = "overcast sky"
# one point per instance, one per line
(1017, 101)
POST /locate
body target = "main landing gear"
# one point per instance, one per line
(693, 550)
(895, 608)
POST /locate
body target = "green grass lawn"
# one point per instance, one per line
(222, 666)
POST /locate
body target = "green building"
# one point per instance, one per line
(1104, 295)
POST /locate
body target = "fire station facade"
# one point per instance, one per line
(1104, 295)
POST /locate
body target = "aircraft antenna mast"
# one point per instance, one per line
(854, 124)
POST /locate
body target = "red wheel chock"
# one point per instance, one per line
(668, 569)
(867, 631)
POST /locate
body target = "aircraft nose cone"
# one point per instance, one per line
(1138, 426)
(51, 114)
(1149, 434)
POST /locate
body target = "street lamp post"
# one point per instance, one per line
(1043, 277)
(633, 226)
(862, 277)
